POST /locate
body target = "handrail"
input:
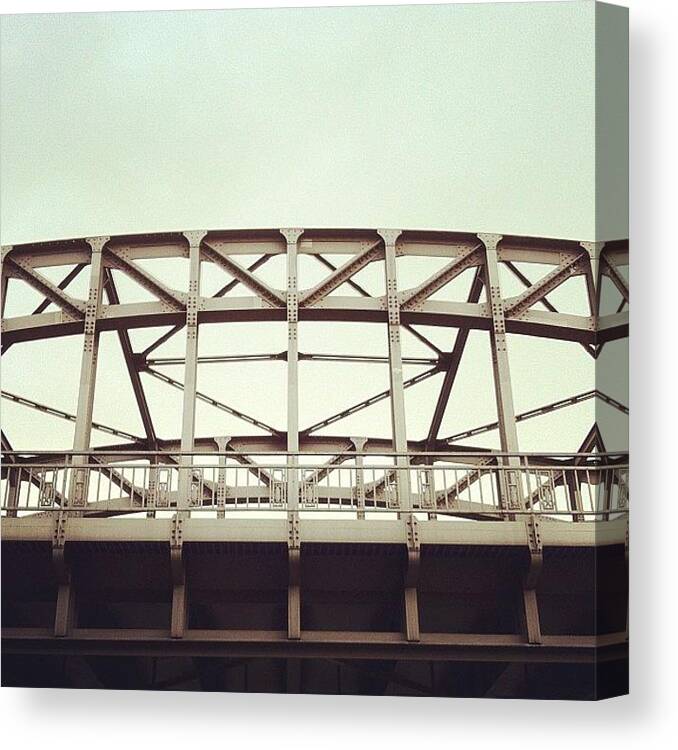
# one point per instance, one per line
(249, 453)
(578, 489)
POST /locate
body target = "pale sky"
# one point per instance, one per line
(463, 117)
(468, 117)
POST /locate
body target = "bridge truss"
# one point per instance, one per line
(312, 491)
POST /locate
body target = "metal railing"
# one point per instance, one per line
(574, 487)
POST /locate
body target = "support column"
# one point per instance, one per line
(77, 495)
(65, 612)
(510, 483)
(530, 612)
(179, 612)
(395, 362)
(190, 369)
(292, 237)
(294, 577)
(293, 543)
(511, 492)
(411, 581)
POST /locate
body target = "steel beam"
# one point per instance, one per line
(508, 433)
(500, 361)
(119, 258)
(537, 291)
(369, 252)
(191, 368)
(131, 364)
(559, 326)
(72, 274)
(293, 547)
(617, 279)
(200, 396)
(292, 301)
(397, 400)
(320, 645)
(269, 295)
(413, 299)
(364, 293)
(453, 368)
(88, 368)
(21, 268)
(52, 411)
(368, 402)
(540, 411)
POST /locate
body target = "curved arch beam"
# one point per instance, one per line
(541, 323)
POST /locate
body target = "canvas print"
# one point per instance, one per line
(314, 351)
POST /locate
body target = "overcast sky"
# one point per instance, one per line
(453, 117)
(474, 118)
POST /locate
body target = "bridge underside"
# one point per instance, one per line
(353, 639)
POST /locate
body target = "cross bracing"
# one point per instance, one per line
(248, 297)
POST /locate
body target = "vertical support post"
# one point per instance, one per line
(395, 362)
(294, 581)
(412, 580)
(292, 238)
(77, 495)
(359, 445)
(530, 611)
(179, 593)
(65, 613)
(510, 482)
(152, 487)
(510, 479)
(593, 279)
(293, 544)
(222, 443)
(190, 370)
(13, 488)
(607, 492)
(179, 613)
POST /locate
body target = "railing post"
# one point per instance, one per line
(222, 443)
(359, 447)
(607, 493)
(152, 487)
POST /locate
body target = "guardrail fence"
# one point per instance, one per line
(578, 487)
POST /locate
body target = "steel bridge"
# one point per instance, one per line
(300, 559)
